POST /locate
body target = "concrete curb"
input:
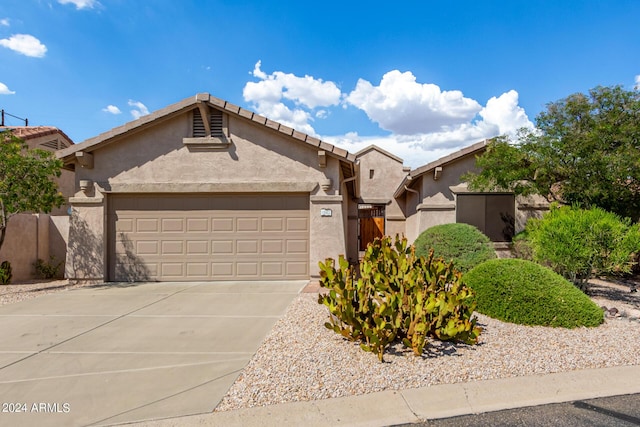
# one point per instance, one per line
(441, 401)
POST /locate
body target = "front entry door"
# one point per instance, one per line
(371, 220)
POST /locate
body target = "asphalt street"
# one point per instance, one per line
(618, 411)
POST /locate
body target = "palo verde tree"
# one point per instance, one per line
(585, 151)
(27, 180)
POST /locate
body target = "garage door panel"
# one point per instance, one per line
(272, 247)
(173, 247)
(222, 269)
(147, 225)
(222, 224)
(247, 269)
(270, 269)
(246, 224)
(272, 224)
(244, 247)
(197, 225)
(197, 270)
(222, 247)
(172, 269)
(208, 237)
(197, 247)
(146, 247)
(172, 225)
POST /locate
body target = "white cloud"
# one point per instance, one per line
(270, 94)
(637, 86)
(425, 122)
(504, 113)
(4, 90)
(25, 44)
(81, 4)
(112, 109)
(501, 115)
(139, 109)
(405, 107)
(4, 22)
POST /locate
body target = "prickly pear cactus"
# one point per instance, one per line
(397, 295)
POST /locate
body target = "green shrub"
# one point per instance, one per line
(397, 296)
(5, 273)
(47, 270)
(523, 292)
(463, 244)
(580, 244)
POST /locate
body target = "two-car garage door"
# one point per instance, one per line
(208, 237)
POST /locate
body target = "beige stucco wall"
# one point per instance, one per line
(86, 250)
(388, 172)
(438, 202)
(156, 160)
(33, 236)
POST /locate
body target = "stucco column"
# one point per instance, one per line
(87, 245)
(326, 234)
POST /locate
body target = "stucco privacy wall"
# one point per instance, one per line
(155, 160)
(33, 236)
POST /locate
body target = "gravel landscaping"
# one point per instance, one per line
(16, 292)
(302, 360)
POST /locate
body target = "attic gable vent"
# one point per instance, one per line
(54, 144)
(208, 135)
(215, 124)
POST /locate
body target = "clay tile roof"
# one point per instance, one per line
(31, 132)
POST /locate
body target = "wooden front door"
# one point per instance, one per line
(371, 224)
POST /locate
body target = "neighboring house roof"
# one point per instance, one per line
(27, 133)
(188, 104)
(380, 150)
(474, 149)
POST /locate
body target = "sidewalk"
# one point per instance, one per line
(389, 408)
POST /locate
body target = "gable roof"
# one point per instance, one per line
(115, 134)
(374, 147)
(474, 149)
(32, 132)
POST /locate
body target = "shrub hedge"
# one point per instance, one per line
(523, 292)
(463, 244)
(582, 243)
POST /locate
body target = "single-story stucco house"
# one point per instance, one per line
(206, 190)
(33, 236)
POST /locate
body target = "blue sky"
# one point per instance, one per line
(419, 78)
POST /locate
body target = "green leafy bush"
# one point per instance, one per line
(523, 292)
(580, 244)
(5, 273)
(463, 244)
(47, 270)
(397, 296)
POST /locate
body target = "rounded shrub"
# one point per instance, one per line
(582, 243)
(463, 244)
(523, 292)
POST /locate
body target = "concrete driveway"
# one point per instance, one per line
(119, 353)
